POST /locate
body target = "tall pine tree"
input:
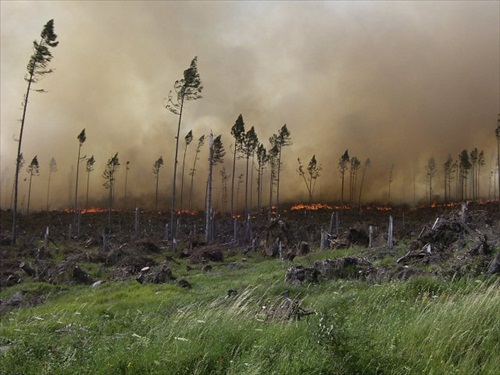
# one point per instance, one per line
(37, 69)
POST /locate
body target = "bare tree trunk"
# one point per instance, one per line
(246, 190)
(77, 170)
(182, 175)
(87, 193)
(18, 160)
(156, 194)
(278, 182)
(233, 176)
(48, 190)
(208, 213)
(29, 195)
(172, 206)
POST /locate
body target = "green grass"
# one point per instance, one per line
(426, 325)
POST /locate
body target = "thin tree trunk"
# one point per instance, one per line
(29, 195)
(172, 209)
(87, 192)
(498, 165)
(430, 191)
(110, 202)
(126, 182)
(182, 175)
(208, 213)
(246, 190)
(77, 170)
(361, 185)
(251, 185)
(259, 188)
(342, 194)
(192, 179)
(232, 178)
(278, 183)
(48, 190)
(156, 194)
(271, 182)
(16, 181)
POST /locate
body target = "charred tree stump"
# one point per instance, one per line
(30, 271)
(390, 240)
(46, 238)
(325, 244)
(81, 276)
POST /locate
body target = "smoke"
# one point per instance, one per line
(396, 82)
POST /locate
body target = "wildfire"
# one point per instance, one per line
(379, 208)
(88, 210)
(95, 210)
(311, 207)
(187, 212)
(450, 204)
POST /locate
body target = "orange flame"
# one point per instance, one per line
(187, 212)
(311, 207)
(89, 210)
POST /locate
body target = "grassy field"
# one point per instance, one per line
(426, 325)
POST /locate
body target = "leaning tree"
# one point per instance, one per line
(187, 88)
(37, 69)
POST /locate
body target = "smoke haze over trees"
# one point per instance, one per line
(395, 82)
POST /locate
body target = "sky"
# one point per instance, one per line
(397, 82)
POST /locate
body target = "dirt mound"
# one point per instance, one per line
(206, 254)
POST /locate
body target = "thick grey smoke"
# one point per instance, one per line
(396, 82)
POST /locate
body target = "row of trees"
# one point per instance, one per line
(246, 146)
(348, 167)
(464, 171)
(351, 165)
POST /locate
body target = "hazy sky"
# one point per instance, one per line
(394, 81)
